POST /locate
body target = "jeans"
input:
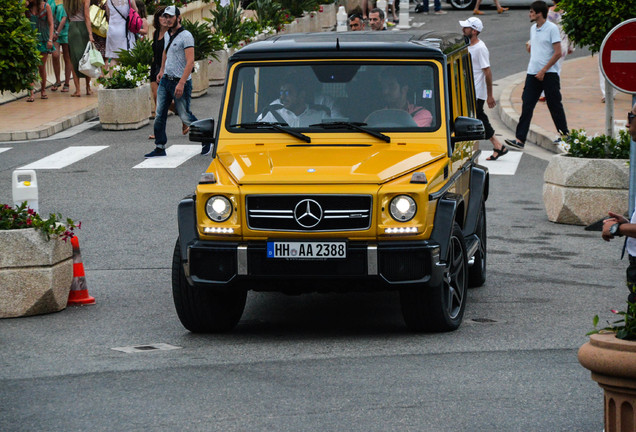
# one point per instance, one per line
(551, 85)
(165, 95)
(437, 5)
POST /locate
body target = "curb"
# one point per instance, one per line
(510, 117)
(51, 128)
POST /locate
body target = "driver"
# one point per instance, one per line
(394, 90)
(293, 109)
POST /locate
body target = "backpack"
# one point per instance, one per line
(134, 23)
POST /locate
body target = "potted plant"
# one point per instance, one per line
(36, 261)
(204, 46)
(123, 98)
(590, 178)
(610, 355)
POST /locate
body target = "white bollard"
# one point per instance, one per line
(404, 15)
(341, 19)
(26, 190)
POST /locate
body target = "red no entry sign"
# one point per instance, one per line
(618, 56)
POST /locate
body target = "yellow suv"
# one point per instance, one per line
(340, 162)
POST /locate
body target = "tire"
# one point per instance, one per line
(477, 272)
(462, 4)
(440, 308)
(204, 310)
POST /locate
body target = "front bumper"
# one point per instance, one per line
(385, 265)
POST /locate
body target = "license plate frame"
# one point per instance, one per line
(310, 250)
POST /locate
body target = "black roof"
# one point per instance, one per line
(364, 44)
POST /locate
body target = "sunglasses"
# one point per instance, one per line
(167, 16)
(630, 117)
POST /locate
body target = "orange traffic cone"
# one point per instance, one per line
(79, 293)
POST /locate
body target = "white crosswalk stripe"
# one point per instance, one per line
(175, 156)
(64, 158)
(5, 149)
(505, 165)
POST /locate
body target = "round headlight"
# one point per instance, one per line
(402, 208)
(218, 208)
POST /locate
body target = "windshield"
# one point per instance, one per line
(320, 97)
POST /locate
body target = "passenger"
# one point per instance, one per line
(293, 108)
(394, 92)
(356, 23)
(376, 19)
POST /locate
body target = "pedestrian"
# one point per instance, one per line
(118, 37)
(500, 9)
(376, 19)
(356, 23)
(437, 7)
(617, 225)
(555, 15)
(365, 9)
(100, 41)
(542, 75)
(80, 32)
(174, 79)
(482, 75)
(141, 8)
(41, 17)
(60, 41)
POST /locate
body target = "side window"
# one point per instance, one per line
(456, 89)
(469, 85)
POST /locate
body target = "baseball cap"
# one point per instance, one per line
(473, 23)
(172, 10)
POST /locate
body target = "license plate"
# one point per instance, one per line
(306, 250)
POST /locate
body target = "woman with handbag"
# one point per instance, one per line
(118, 37)
(60, 40)
(80, 32)
(41, 17)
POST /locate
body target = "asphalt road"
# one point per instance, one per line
(317, 362)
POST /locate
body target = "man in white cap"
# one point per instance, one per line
(174, 79)
(482, 76)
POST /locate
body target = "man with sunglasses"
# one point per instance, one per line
(356, 23)
(618, 225)
(174, 79)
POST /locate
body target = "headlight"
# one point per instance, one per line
(402, 208)
(218, 208)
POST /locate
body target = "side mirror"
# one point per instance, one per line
(468, 129)
(202, 131)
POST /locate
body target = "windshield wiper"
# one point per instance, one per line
(276, 126)
(353, 126)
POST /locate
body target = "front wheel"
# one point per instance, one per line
(204, 310)
(463, 4)
(440, 308)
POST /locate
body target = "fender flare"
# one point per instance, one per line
(187, 220)
(445, 216)
(479, 185)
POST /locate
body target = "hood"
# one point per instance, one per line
(324, 164)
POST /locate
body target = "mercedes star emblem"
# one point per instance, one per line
(308, 213)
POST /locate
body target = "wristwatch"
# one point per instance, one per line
(614, 230)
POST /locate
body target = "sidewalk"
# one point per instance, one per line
(579, 86)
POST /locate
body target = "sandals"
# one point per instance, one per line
(44, 96)
(497, 153)
(502, 10)
(64, 88)
(55, 86)
(30, 99)
(185, 128)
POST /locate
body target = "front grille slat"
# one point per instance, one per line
(309, 212)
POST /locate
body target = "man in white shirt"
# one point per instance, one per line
(482, 76)
(293, 110)
(542, 75)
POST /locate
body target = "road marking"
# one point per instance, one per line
(145, 348)
(65, 157)
(175, 156)
(505, 165)
(5, 149)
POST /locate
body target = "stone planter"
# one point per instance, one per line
(303, 24)
(217, 69)
(314, 22)
(327, 14)
(124, 109)
(291, 27)
(35, 274)
(200, 82)
(580, 191)
(612, 362)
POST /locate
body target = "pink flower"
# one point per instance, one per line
(614, 311)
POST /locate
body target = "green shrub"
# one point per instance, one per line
(578, 144)
(269, 13)
(204, 43)
(141, 53)
(19, 57)
(226, 20)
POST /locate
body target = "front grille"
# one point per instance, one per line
(309, 212)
